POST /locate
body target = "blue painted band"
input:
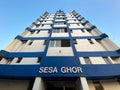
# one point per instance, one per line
(99, 54)
(36, 24)
(83, 23)
(89, 29)
(20, 54)
(102, 36)
(89, 71)
(30, 38)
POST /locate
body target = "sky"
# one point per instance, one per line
(16, 15)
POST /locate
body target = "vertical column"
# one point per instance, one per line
(39, 84)
(73, 46)
(49, 38)
(84, 83)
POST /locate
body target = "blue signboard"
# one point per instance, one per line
(60, 67)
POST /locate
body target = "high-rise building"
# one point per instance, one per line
(61, 51)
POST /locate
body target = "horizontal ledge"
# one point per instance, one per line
(20, 54)
(102, 36)
(99, 54)
(80, 54)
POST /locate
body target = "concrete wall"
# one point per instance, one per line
(84, 45)
(80, 33)
(76, 26)
(37, 45)
(93, 60)
(40, 34)
(60, 51)
(108, 44)
(60, 35)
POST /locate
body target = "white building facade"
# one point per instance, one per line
(61, 51)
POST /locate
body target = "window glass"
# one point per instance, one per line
(60, 30)
(58, 43)
(52, 43)
(90, 41)
(87, 60)
(106, 59)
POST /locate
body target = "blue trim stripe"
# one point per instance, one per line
(83, 23)
(103, 71)
(89, 29)
(99, 54)
(36, 24)
(102, 36)
(30, 38)
(20, 54)
(79, 54)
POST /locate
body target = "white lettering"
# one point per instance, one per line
(71, 69)
(48, 70)
(63, 70)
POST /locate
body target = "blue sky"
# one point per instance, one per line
(16, 15)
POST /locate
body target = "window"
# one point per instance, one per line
(45, 42)
(107, 60)
(60, 23)
(60, 43)
(32, 32)
(59, 30)
(30, 43)
(24, 42)
(1, 57)
(78, 24)
(65, 43)
(55, 43)
(118, 80)
(38, 31)
(61, 18)
(39, 60)
(19, 60)
(60, 88)
(42, 25)
(90, 41)
(74, 19)
(60, 85)
(71, 31)
(31, 83)
(97, 85)
(9, 60)
(75, 42)
(82, 30)
(69, 88)
(87, 60)
(52, 43)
